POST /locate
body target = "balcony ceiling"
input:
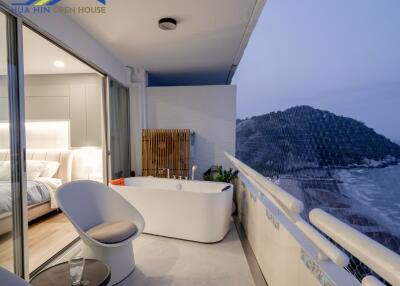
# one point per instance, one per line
(208, 41)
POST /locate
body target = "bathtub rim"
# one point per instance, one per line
(222, 190)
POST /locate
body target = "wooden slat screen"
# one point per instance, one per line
(165, 148)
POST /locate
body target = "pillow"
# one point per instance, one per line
(51, 169)
(35, 169)
(5, 171)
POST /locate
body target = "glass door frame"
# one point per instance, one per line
(17, 133)
(18, 148)
(16, 109)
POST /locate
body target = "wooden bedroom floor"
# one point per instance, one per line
(46, 236)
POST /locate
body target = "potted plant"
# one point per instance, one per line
(219, 174)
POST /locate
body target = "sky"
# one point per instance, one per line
(341, 55)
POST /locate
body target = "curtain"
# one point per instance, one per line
(119, 131)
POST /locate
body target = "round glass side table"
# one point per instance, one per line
(95, 273)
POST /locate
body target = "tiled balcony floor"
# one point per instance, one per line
(164, 261)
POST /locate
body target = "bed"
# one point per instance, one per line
(40, 189)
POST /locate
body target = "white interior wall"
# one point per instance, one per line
(39, 135)
(73, 97)
(76, 98)
(209, 111)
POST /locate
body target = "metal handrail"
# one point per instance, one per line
(380, 259)
(371, 281)
(326, 248)
(289, 203)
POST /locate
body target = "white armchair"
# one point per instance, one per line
(106, 223)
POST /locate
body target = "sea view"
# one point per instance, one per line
(365, 198)
(317, 114)
(376, 191)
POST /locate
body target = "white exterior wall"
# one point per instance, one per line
(209, 111)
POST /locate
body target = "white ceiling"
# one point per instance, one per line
(208, 36)
(40, 55)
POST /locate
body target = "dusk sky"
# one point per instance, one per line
(340, 55)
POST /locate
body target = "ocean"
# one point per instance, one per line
(368, 199)
(375, 191)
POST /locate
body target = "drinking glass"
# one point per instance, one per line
(76, 265)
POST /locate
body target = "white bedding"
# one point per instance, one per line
(38, 191)
(42, 168)
(52, 184)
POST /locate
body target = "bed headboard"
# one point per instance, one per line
(62, 156)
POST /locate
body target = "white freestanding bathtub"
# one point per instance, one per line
(192, 210)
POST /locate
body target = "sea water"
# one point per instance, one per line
(377, 190)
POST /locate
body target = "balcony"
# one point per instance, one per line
(324, 251)
(269, 244)
(166, 261)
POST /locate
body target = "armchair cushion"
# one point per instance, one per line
(113, 232)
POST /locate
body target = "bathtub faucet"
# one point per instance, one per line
(194, 168)
(163, 172)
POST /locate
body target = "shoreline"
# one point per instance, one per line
(327, 169)
(327, 193)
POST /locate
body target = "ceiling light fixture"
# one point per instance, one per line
(59, 64)
(167, 24)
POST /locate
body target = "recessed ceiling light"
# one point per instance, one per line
(167, 24)
(59, 64)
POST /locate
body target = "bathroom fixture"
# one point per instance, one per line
(163, 172)
(199, 211)
(194, 168)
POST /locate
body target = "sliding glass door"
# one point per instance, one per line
(119, 130)
(64, 137)
(6, 241)
(12, 199)
(64, 112)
